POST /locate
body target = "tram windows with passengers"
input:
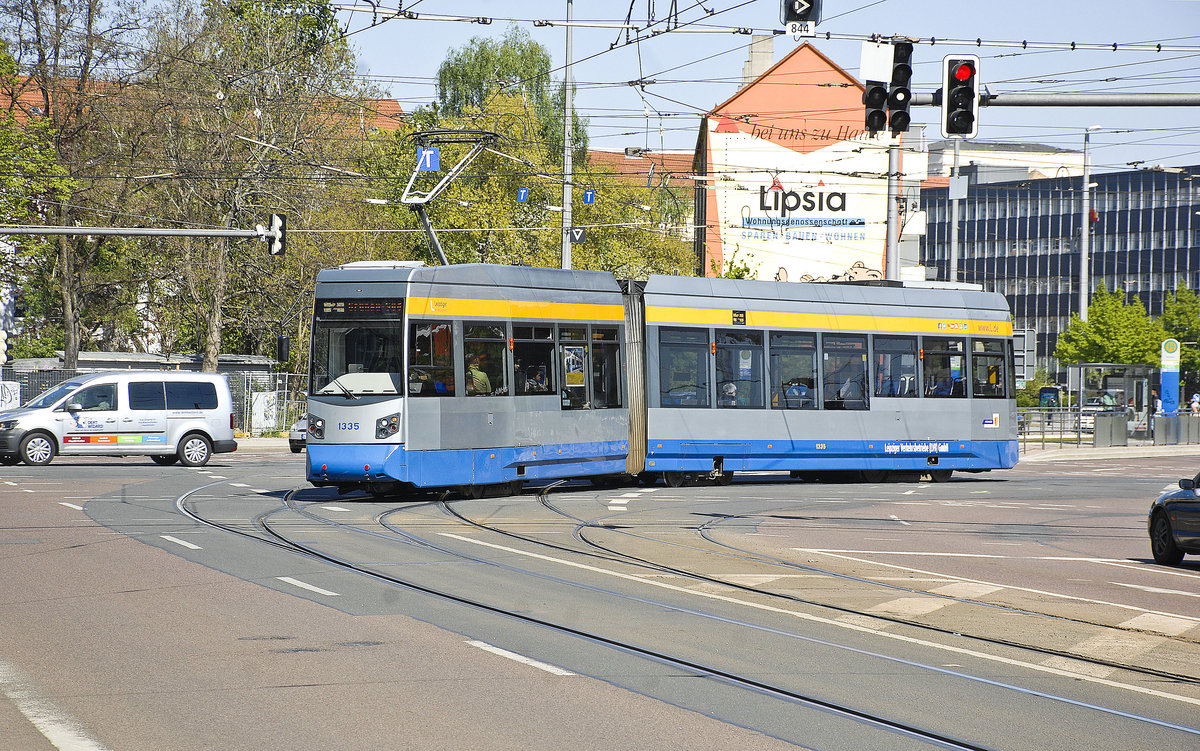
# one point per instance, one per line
(431, 358)
(487, 368)
(739, 369)
(358, 348)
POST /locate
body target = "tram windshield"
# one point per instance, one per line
(358, 348)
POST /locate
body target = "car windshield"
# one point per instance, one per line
(49, 397)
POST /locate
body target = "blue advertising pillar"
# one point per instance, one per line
(1169, 380)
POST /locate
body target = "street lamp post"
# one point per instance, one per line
(1085, 278)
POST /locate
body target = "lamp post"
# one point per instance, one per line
(1085, 278)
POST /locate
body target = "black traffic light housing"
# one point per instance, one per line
(277, 235)
(960, 96)
(875, 98)
(899, 93)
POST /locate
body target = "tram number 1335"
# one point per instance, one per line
(347, 426)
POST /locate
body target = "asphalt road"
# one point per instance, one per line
(1007, 610)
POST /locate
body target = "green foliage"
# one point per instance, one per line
(512, 66)
(1029, 396)
(733, 268)
(479, 219)
(1181, 319)
(1114, 332)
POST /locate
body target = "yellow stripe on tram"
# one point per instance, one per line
(543, 311)
(829, 321)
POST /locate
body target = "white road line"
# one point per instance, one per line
(835, 553)
(334, 508)
(1156, 590)
(840, 624)
(309, 587)
(70, 505)
(261, 491)
(519, 658)
(63, 731)
(10, 482)
(239, 485)
(178, 541)
(901, 520)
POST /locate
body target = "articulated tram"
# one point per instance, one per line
(477, 375)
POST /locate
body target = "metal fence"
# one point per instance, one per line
(1065, 426)
(262, 402)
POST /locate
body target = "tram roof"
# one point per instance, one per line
(471, 274)
(825, 292)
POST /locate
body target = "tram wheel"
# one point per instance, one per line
(724, 478)
(473, 492)
(649, 479)
(940, 475)
(675, 479)
(875, 475)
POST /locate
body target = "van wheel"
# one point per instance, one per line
(164, 460)
(37, 449)
(194, 450)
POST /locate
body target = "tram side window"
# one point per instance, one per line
(739, 369)
(606, 368)
(573, 348)
(430, 358)
(896, 366)
(486, 368)
(533, 360)
(945, 367)
(793, 371)
(683, 367)
(987, 369)
(845, 377)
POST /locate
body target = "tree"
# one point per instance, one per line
(1181, 319)
(514, 65)
(72, 61)
(254, 104)
(1114, 332)
(479, 218)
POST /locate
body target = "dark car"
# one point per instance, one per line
(1174, 522)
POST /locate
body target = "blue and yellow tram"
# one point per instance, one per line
(476, 375)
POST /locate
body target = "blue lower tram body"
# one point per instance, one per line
(371, 464)
(367, 464)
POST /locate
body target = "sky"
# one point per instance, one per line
(694, 72)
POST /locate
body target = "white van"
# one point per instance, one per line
(168, 416)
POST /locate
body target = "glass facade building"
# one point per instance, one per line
(1021, 239)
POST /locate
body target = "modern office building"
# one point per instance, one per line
(1022, 238)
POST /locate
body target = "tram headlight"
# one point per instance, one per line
(386, 427)
(316, 427)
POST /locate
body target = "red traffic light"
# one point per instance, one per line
(964, 71)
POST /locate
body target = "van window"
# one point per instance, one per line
(97, 398)
(146, 395)
(191, 395)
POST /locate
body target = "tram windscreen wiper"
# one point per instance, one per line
(335, 382)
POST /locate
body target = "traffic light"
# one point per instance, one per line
(899, 94)
(798, 11)
(3, 346)
(875, 97)
(960, 96)
(276, 237)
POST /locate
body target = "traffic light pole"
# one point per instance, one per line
(892, 242)
(953, 274)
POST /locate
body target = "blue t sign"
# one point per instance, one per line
(428, 159)
(522, 195)
(589, 195)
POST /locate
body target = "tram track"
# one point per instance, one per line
(743, 555)
(270, 530)
(282, 541)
